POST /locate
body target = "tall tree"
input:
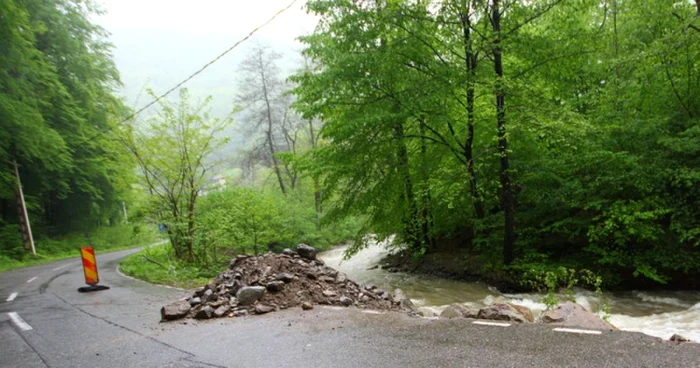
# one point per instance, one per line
(263, 96)
(56, 99)
(173, 154)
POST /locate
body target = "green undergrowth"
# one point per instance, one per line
(103, 239)
(158, 265)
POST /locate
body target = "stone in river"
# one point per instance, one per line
(574, 315)
(505, 312)
(458, 311)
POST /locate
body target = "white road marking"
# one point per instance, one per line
(19, 321)
(59, 267)
(499, 324)
(11, 297)
(575, 330)
(32, 279)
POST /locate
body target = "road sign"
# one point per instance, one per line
(92, 278)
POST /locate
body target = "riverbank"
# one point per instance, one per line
(470, 266)
(454, 265)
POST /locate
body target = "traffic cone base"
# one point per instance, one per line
(89, 288)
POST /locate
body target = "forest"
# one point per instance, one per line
(520, 137)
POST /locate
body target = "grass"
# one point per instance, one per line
(104, 239)
(157, 264)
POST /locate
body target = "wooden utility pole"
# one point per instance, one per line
(25, 226)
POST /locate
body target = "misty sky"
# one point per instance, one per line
(160, 42)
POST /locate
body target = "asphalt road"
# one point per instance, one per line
(120, 328)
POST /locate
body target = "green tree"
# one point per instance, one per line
(173, 152)
(56, 100)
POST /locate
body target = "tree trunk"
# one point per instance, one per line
(190, 221)
(470, 62)
(270, 143)
(426, 214)
(413, 229)
(317, 186)
(507, 199)
(275, 164)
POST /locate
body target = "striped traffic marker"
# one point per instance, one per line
(92, 278)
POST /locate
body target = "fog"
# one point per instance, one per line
(160, 42)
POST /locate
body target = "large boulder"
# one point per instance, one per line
(250, 294)
(574, 315)
(175, 310)
(505, 312)
(458, 311)
(306, 251)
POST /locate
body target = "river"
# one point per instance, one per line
(655, 313)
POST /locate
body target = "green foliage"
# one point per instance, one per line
(103, 239)
(56, 99)
(603, 113)
(158, 264)
(249, 221)
(553, 280)
(172, 151)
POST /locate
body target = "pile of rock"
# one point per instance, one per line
(270, 282)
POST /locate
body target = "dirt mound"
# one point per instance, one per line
(270, 282)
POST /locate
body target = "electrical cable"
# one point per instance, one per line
(250, 34)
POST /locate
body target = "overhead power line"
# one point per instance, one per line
(250, 34)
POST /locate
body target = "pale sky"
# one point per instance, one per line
(160, 42)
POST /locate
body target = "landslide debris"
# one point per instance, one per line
(271, 282)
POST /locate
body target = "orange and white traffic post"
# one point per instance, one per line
(92, 278)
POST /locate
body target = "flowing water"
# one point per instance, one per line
(656, 313)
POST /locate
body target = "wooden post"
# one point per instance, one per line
(24, 216)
